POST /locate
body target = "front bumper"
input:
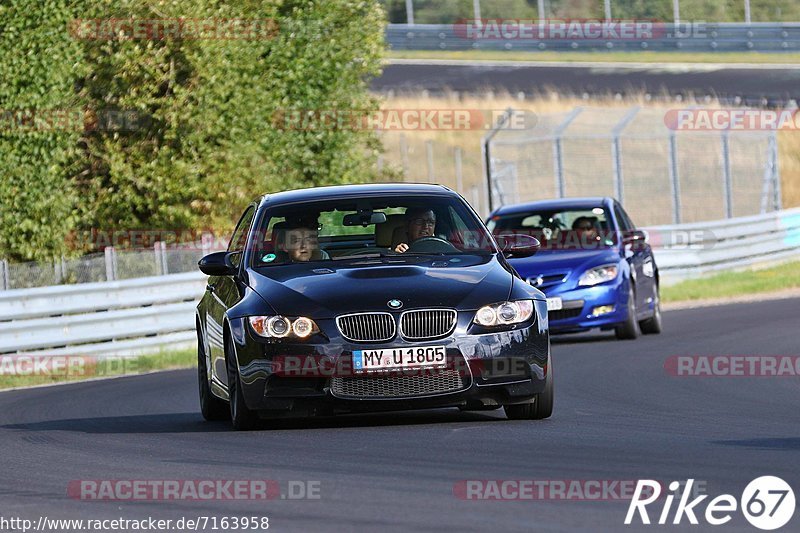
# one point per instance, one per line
(495, 368)
(579, 304)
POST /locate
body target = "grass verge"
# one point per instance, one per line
(727, 284)
(601, 57)
(21, 371)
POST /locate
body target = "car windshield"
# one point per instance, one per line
(563, 229)
(364, 227)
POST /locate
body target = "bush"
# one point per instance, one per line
(196, 140)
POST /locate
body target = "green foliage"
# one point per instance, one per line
(200, 140)
(37, 73)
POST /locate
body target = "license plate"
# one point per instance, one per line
(554, 304)
(393, 358)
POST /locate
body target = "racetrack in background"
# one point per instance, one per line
(775, 84)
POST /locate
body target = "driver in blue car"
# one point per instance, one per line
(420, 223)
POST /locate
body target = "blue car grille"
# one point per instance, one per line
(563, 314)
(547, 280)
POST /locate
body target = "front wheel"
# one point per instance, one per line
(652, 325)
(629, 329)
(242, 417)
(211, 407)
(540, 408)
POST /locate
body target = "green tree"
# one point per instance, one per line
(39, 63)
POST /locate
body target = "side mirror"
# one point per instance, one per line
(218, 264)
(518, 245)
(636, 238)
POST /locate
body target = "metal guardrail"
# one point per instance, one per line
(689, 36)
(691, 250)
(136, 316)
(107, 318)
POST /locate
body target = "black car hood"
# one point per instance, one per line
(330, 288)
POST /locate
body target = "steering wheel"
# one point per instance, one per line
(435, 245)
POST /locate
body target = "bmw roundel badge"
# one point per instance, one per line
(394, 304)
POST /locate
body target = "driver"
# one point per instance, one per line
(420, 223)
(585, 229)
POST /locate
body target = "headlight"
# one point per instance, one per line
(278, 327)
(504, 313)
(599, 274)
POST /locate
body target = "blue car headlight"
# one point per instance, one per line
(599, 274)
(504, 313)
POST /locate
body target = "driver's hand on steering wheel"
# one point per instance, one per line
(400, 248)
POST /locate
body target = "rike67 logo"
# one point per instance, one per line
(767, 503)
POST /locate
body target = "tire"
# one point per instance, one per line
(211, 407)
(540, 408)
(652, 325)
(242, 417)
(629, 329)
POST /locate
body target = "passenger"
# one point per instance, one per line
(299, 240)
(420, 223)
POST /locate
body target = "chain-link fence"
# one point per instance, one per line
(113, 264)
(662, 175)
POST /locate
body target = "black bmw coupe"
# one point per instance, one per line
(369, 298)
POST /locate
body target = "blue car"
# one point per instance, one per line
(596, 269)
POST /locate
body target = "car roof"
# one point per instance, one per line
(554, 204)
(339, 191)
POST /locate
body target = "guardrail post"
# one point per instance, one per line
(410, 12)
(111, 263)
(160, 255)
(558, 155)
(459, 171)
(726, 174)
(5, 284)
(776, 172)
(674, 178)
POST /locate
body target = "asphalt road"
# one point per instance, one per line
(776, 85)
(618, 416)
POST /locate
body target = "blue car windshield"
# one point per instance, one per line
(565, 229)
(348, 228)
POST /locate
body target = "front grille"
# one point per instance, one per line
(366, 327)
(427, 323)
(563, 314)
(547, 280)
(401, 386)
